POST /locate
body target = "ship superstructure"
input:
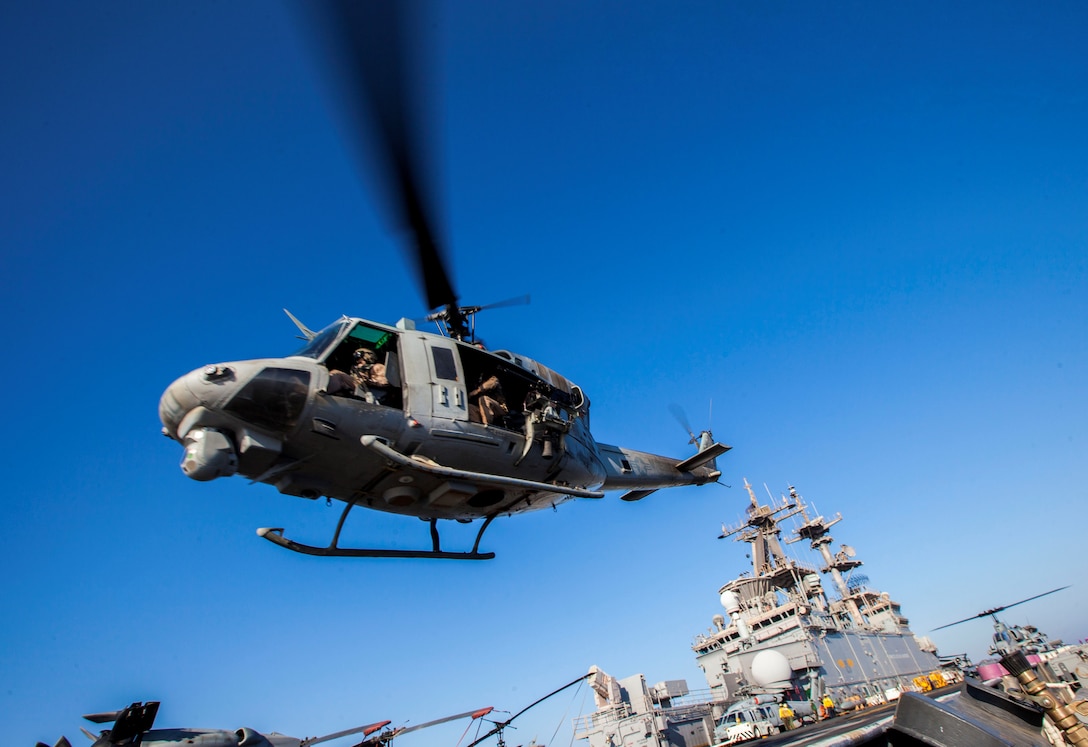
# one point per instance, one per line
(785, 632)
(785, 637)
(629, 713)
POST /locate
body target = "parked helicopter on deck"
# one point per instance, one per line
(391, 417)
(133, 725)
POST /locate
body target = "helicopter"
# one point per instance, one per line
(391, 417)
(133, 724)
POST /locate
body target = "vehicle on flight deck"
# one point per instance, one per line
(391, 417)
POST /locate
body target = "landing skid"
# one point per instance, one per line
(275, 535)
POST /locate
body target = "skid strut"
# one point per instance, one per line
(275, 535)
(402, 461)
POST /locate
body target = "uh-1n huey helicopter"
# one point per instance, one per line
(390, 417)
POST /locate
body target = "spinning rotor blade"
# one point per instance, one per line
(518, 301)
(364, 45)
(682, 418)
(995, 610)
(468, 311)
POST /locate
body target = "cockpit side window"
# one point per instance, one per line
(362, 336)
(365, 365)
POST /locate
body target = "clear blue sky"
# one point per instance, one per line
(859, 229)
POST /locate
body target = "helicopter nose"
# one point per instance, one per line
(184, 394)
(176, 401)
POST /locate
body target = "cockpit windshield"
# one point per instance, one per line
(316, 347)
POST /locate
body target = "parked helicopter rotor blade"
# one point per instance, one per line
(363, 45)
(500, 725)
(364, 730)
(995, 610)
(478, 713)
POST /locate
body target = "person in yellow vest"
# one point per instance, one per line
(828, 706)
(786, 714)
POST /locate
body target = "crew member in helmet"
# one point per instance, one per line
(367, 372)
(366, 380)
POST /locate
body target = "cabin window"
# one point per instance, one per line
(444, 365)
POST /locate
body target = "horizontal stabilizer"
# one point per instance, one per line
(637, 495)
(713, 451)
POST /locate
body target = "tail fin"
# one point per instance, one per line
(709, 451)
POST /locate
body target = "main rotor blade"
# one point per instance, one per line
(995, 610)
(499, 726)
(364, 730)
(478, 713)
(364, 46)
(516, 301)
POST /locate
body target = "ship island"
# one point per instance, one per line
(793, 633)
